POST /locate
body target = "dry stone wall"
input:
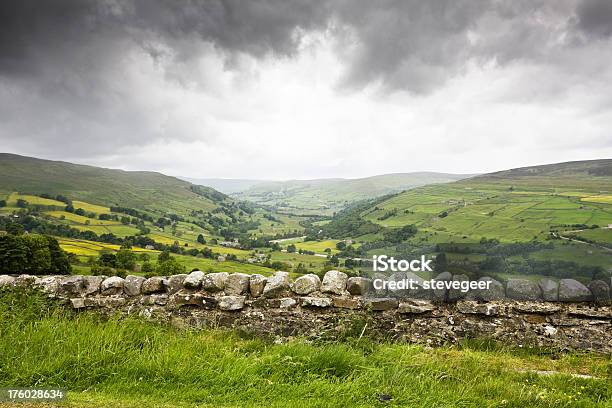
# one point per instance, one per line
(566, 315)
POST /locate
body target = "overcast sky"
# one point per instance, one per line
(282, 89)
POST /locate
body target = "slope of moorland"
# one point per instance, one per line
(325, 196)
(109, 187)
(560, 212)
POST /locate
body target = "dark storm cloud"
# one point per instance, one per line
(406, 44)
(76, 81)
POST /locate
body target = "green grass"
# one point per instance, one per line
(132, 363)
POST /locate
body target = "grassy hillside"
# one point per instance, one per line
(325, 196)
(566, 205)
(107, 187)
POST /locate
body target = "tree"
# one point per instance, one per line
(169, 267)
(108, 259)
(69, 208)
(144, 257)
(21, 203)
(32, 254)
(126, 259)
(147, 267)
(400, 234)
(2, 203)
(291, 248)
(80, 211)
(201, 239)
(341, 245)
(164, 256)
(14, 229)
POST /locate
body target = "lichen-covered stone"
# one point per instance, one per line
(231, 302)
(570, 290)
(6, 280)
(600, 291)
(308, 301)
(358, 286)
(307, 284)
(457, 294)
(175, 283)
(92, 284)
(237, 284)
(214, 282)
(112, 286)
(550, 289)
(474, 307)
(334, 282)
(347, 303)
(495, 291)
(194, 280)
(277, 285)
(441, 295)
(132, 286)
(48, 284)
(523, 289)
(257, 283)
(381, 304)
(72, 285)
(415, 306)
(153, 285)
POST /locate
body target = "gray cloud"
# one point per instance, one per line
(79, 78)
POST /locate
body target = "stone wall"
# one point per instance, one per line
(565, 315)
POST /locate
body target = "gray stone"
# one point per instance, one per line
(457, 294)
(231, 302)
(550, 289)
(381, 304)
(496, 291)
(153, 285)
(334, 282)
(257, 283)
(175, 283)
(6, 280)
(72, 285)
(474, 307)
(92, 284)
(377, 278)
(570, 290)
(215, 282)
(316, 302)
(347, 303)
(307, 284)
(441, 295)
(358, 286)
(415, 306)
(132, 286)
(112, 286)
(237, 284)
(48, 284)
(277, 285)
(25, 280)
(78, 303)
(194, 280)
(600, 291)
(286, 303)
(523, 289)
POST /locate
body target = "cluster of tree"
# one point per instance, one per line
(388, 214)
(397, 235)
(32, 254)
(132, 212)
(2, 203)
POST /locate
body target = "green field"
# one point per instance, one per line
(133, 363)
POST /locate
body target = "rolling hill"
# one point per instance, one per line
(565, 208)
(326, 196)
(138, 189)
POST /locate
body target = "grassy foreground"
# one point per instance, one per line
(130, 362)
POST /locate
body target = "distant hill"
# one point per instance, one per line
(138, 189)
(512, 205)
(227, 186)
(326, 196)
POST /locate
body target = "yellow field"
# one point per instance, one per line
(98, 209)
(79, 218)
(605, 199)
(34, 200)
(83, 247)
